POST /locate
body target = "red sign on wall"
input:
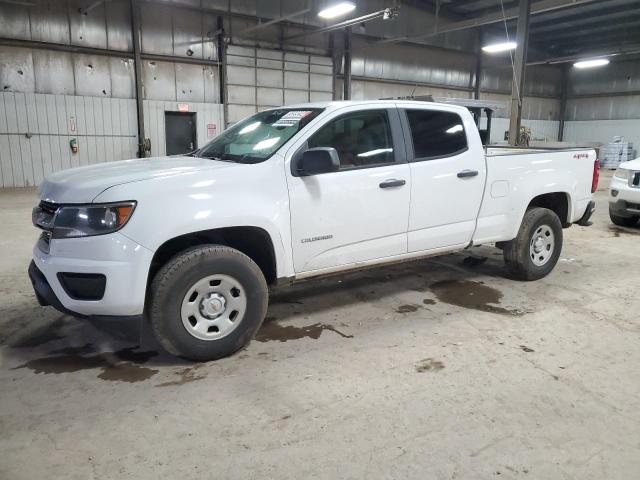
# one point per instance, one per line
(183, 107)
(211, 130)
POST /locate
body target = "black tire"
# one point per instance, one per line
(518, 252)
(178, 276)
(624, 221)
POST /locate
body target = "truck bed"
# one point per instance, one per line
(515, 176)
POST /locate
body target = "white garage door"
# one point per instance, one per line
(257, 79)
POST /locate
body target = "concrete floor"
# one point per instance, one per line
(433, 370)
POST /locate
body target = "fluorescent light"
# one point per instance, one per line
(500, 47)
(455, 129)
(337, 10)
(596, 62)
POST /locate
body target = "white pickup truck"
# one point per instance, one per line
(192, 243)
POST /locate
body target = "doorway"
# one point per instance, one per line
(180, 132)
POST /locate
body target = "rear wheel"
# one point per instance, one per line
(536, 249)
(624, 221)
(207, 302)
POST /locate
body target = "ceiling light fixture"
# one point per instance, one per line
(337, 10)
(500, 47)
(596, 62)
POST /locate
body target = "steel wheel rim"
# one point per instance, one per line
(542, 245)
(213, 307)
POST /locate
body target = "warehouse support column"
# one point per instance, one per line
(520, 61)
(476, 86)
(346, 80)
(137, 74)
(222, 65)
(563, 100)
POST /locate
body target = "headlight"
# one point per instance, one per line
(622, 173)
(87, 220)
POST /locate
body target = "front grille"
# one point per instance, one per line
(636, 180)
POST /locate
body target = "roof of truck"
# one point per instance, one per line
(344, 103)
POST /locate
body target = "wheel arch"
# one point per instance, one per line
(558, 202)
(255, 242)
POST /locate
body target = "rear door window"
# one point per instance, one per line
(436, 134)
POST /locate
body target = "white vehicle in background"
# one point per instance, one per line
(193, 242)
(624, 194)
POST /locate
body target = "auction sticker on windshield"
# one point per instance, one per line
(291, 118)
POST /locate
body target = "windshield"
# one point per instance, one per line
(256, 138)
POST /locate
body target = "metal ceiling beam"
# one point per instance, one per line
(94, 5)
(596, 28)
(19, 2)
(593, 10)
(284, 18)
(579, 42)
(103, 52)
(596, 17)
(619, 51)
(539, 7)
(60, 47)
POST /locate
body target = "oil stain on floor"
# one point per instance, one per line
(119, 366)
(407, 308)
(186, 375)
(625, 231)
(429, 365)
(271, 330)
(472, 295)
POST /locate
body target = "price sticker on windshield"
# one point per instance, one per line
(291, 118)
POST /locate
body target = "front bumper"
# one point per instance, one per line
(124, 263)
(624, 200)
(44, 293)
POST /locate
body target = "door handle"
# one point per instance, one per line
(467, 173)
(392, 183)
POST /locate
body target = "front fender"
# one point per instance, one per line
(247, 195)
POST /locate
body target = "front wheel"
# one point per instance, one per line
(536, 249)
(207, 302)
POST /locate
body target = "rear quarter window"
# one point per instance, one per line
(436, 134)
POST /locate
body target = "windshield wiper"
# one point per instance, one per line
(214, 157)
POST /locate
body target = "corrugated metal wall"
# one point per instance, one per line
(35, 130)
(605, 103)
(603, 131)
(51, 96)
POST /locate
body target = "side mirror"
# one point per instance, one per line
(315, 161)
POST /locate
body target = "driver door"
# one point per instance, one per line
(359, 213)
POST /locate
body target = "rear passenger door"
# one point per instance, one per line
(448, 173)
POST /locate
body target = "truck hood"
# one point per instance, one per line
(631, 165)
(83, 184)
